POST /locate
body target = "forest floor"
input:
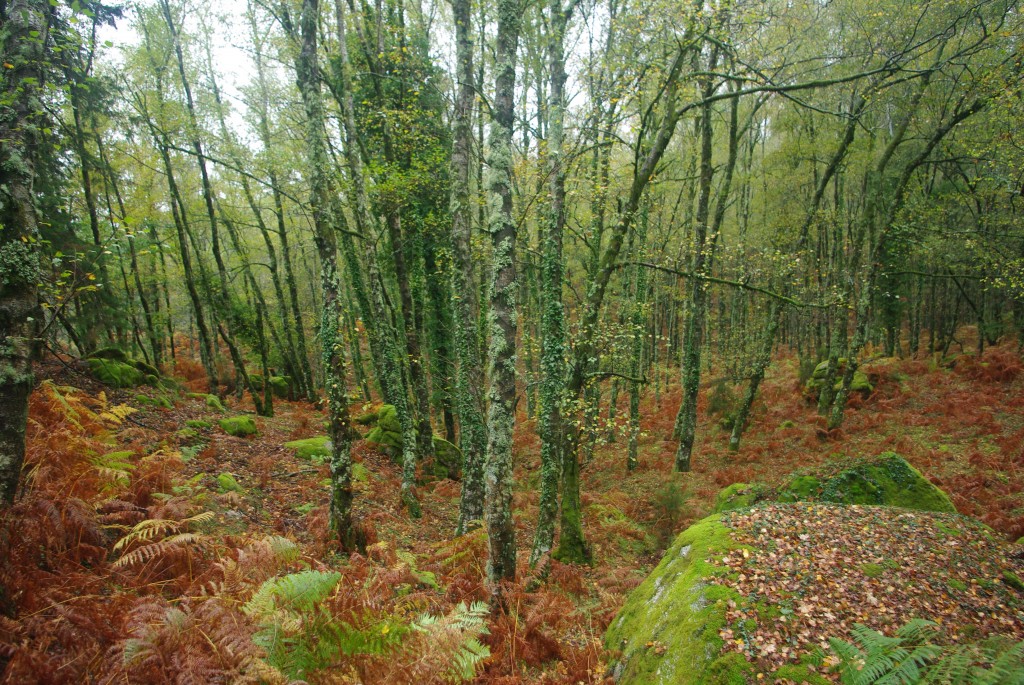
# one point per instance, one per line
(168, 604)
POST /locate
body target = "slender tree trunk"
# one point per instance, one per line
(468, 376)
(501, 530)
(326, 222)
(552, 314)
(764, 358)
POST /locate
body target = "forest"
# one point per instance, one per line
(400, 341)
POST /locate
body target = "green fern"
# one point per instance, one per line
(468, 623)
(300, 635)
(910, 658)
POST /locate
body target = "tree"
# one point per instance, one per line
(501, 564)
(23, 48)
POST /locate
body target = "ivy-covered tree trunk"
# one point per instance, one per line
(23, 36)
(468, 376)
(326, 221)
(501, 565)
(552, 314)
(382, 337)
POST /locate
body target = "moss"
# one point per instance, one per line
(110, 353)
(872, 570)
(213, 402)
(239, 426)
(155, 401)
(447, 459)
(366, 418)
(729, 669)
(280, 386)
(115, 374)
(198, 424)
(186, 434)
(226, 483)
(311, 449)
(798, 673)
(678, 606)
(146, 368)
(1011, 579)
(360, 474)
(304, 508)
(946, 530)
(957, 584)
(889, 481)
(786, 424)
(800, 489)
(739, 496)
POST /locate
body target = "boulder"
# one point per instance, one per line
(312, 449)
(667, 631)
(239, 426)
(728, 601)
(114, 373)
(887, 480)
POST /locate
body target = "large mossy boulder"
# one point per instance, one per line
(668, 630)
(889, 480)
(388, 431)
(239, 426)
(112, 366)
(116, 374)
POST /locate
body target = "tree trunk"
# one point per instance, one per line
(22, 47)
(501, 530)
(326, 221)
(468, 376)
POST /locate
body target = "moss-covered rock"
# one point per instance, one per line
(861, 382)
(113, 354)
(280, 386)
(198, 424)
(388, 431)
(213, 402)
(239, 426)
(312, 449)
(154, 401)
(447, 460)
(886, 481)
(115, 373)
(668, 630)
(800, 489)
(226, 483)
(739, 496)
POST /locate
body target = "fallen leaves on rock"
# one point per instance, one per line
(815, 570)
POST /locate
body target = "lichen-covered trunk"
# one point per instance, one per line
(501, 565)
(326, 218)
(23, 38)
(468, 376)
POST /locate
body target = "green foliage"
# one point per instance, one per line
(910, 657)
(301, 634)
(213, 402)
